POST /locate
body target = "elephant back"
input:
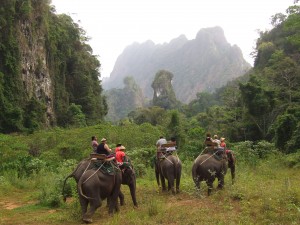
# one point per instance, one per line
(208, 161)
(106, 167)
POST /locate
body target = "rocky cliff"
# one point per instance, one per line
(201, 64)
(48, 74)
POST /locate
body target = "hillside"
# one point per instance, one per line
(48, 73)
(201, 64)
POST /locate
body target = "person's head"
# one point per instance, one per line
(208, 135)
(94, 138)
(173, 139)
(118, 145)
(222, 139)
(103, 140)
(160, 137)
(122, 148)
(215, 136)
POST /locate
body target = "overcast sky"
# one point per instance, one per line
(112, 25)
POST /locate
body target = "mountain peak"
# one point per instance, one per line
(202, 64)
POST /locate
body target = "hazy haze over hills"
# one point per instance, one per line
(201, 64)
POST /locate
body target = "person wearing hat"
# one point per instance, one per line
(103, 148)
(216, 140)
(120, 155)
(117, 147)
(223, 144)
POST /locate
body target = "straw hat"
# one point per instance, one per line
(103, 139)
(222, 139)
(122, 148)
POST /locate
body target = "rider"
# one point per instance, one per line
(117, 147)
(94, 143)
(173, 146)
(218, 149)
(223, 144)
(103, 148)
(159, 143)
(120, 155)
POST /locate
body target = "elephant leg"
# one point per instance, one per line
(178, 182)
(157, 174)
(163, 184)
(113, 205)
(171, 184)
(132, 189)
(84, 204)
(121, 197)
(94, 204)
(197, 183)
(210, 186)
(221, 178)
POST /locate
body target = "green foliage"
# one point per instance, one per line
(75, 116)
(292, 160)
(72, 69)
(285, 126)
(153, 115)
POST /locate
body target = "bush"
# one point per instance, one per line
(264, 149)
(292, 160)
(244, 152)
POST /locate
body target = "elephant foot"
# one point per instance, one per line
(87, 220)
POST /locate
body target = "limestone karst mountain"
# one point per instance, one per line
(201, 64)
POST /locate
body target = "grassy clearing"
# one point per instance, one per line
(264, 194)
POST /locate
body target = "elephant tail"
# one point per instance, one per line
(63, 189)
(79, 186)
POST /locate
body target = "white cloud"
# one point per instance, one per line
(115, 24)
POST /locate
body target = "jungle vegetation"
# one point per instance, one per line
(74, 71)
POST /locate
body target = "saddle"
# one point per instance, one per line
(104, 163)
(214, 152)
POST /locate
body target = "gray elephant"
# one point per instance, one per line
(168, 167)
(94, 186)
(128, 178)
(209, 166)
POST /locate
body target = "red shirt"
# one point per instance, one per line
(223, 144)
(119, 156)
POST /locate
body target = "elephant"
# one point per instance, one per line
(208, 166)
(128, 178)
(94, 186)
(168, 167)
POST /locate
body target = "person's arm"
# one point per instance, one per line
(107, 148)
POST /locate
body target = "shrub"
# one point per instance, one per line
(292, 160)
(264, 149)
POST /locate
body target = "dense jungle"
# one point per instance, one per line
(52, 103)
